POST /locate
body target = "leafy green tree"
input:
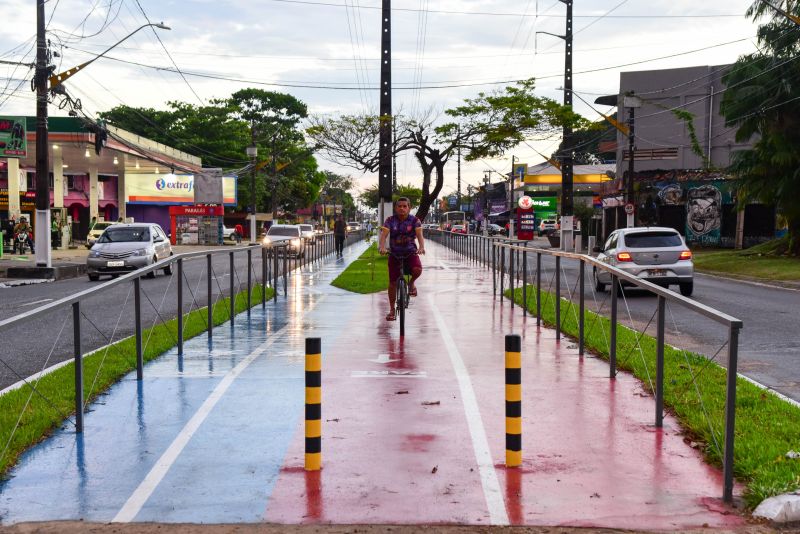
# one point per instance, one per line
(370, 196)
(762, 101)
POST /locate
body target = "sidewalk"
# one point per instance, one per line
(413, 429)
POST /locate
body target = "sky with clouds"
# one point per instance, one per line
(326, 52)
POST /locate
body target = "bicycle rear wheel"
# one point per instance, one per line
(401, 299)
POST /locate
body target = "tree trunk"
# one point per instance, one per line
(793, 232)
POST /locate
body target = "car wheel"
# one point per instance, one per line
(598, 285)
(687, 289)
(94, 277)
(152, 274)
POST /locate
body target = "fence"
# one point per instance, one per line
(514, 262)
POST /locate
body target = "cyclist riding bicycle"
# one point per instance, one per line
(401, 229)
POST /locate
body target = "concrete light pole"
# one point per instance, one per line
(252, 152)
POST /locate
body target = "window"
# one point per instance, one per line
(611, 242)
(653, 240)
(70, 182)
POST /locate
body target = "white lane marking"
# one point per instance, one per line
(157, 473)
(36, 302)
(491, 486)
(383, 358)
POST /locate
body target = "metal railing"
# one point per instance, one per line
(265, 267)
(509, 261)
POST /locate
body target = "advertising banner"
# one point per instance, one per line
(170, 189)
(13, 142)
(545, 207)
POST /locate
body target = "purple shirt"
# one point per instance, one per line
(402, 234)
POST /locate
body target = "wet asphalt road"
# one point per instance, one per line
(47, 339)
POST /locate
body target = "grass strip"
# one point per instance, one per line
(766, 426)
(369, 273)
(46, 412)
(747, 263)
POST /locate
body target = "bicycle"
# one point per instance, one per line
(402, 295)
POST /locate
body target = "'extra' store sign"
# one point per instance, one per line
(170, 189)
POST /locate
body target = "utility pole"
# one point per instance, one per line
(510, 197)
(458, 190)
(394, 158)
(385, 133)
(42, 230)
(252, 151)
(566, 162)
(631, 102)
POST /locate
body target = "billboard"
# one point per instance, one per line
(170, 189)
(13, 141)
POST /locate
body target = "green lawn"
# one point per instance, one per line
(766, 426)
(367, 274)
(747, 263)
(42, 413)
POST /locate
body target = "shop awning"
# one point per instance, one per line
(546, 174)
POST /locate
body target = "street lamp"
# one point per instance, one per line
(41, 79)
(58, 79)
(485, 205)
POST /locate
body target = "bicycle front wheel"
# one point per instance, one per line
(402, 295)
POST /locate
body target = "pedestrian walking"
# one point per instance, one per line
(339, 234)
(238, 231)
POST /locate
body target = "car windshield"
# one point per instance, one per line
(283, 231)
(101, 226)
(125, 234)
(653, 240)
(306, 228)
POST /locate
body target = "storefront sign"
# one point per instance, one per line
(13, 142)
(170, 189)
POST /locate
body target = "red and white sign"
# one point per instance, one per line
(525, 202)
(629, 208)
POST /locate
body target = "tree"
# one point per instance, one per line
(483, 127)
(371, 198)
(762, 101)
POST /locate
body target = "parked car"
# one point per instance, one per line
(95, 233)
(547, 226)
(430, 226)
(459, 229)
(495, 229)
(307, 232)
(123, 248)
(285, 235)
(656, 254)
(227, 233)
(353, 226)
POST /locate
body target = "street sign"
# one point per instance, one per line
(629, 208)
(525, 202)
(13, 141)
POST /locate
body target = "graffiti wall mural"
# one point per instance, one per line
(703, 214)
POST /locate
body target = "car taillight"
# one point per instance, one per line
(686, 255)
(624, 256)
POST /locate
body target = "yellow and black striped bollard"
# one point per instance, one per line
(313, 461)
(513, 401)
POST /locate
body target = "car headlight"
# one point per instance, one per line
(94, 253)
(295, 243)
(139, 252)
(267, 242)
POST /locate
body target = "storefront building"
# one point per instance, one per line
(84, 185)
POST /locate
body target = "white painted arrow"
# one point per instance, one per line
(383, 358)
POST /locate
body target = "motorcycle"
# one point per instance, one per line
(23, 240)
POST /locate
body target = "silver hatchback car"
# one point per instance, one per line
(656, 254)
(126, 247)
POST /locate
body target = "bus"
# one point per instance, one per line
(448, 219)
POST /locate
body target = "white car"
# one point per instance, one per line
(656, 254)
(285, 237)
(353, 226)
(307, 231)
(227, 233)
(96, 231)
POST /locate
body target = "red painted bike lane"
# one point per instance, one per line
(413, 430)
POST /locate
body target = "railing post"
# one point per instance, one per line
(511, 274)
(582, 308)
(264, 277)
(137, 321)
(538, 288)
(612, 351)
(209, 297)
(76, 348)
(502, 252)
(274, 274)
(249, 278)
(231, 269)
(525, 282)
(660, 361)
(285, 271)
(180, 306)
(558, 297)
(730, 413)
(494, 271)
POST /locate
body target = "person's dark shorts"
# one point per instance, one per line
(396, 265)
